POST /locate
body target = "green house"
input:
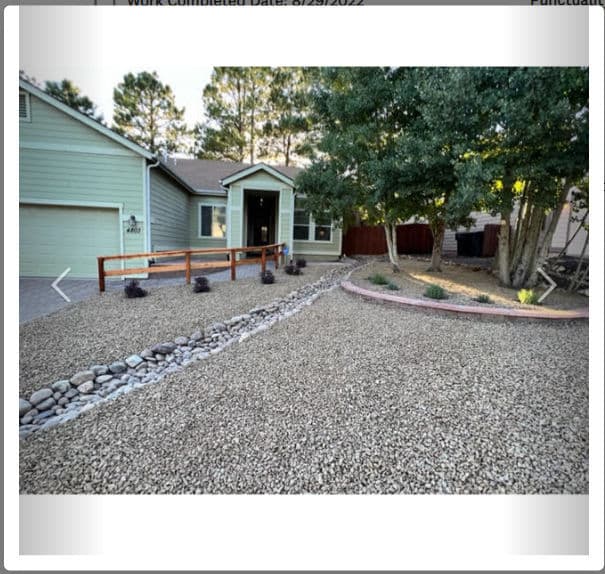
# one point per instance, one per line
(86, 191)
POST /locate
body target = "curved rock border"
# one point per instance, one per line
(465, 309)
(66, 399)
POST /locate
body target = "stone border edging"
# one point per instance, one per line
(465, 309)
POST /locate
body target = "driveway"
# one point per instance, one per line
(37, 298)
(344, 397)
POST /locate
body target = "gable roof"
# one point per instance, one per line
(285, 174)
(102, 129)
(83, 118)
(206, 175)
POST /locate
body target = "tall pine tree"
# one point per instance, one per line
(235, 102)
(67, 92)
(145, 111)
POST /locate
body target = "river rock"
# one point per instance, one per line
(133, 361)
(82, 377)
(86, 387)
(45, 405)
(164, 348)
(181, 341)
(61, 386)
(40, 396)
(99, 370)
(24, 407)
(118, 367)
(103, 379)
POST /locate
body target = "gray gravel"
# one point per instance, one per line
(109, 327)
(345, 397)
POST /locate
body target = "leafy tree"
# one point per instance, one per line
(235, 101)
(399, 143)
(146, 112)
(360, 118)
(67, 92)
(436, 155)
(538, 151)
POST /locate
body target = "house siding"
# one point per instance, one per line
(320, 248)
(195, 241)
(169, 214)
(64, 162)
(53, 127)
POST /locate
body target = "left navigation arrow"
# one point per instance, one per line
(55, 284)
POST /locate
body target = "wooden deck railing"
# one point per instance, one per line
(273, 251)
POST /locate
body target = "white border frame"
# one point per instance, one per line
(342, 532)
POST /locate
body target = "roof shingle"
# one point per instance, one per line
(206, 174)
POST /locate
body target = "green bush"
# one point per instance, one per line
(435, 292)
(391, 286)
(483, 298)
(378, 279)
(528, 297)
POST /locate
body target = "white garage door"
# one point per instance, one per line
(52, 238)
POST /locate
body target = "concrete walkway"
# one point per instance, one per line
(37, 298)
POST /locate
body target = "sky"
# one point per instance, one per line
(95, 54)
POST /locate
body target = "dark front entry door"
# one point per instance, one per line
(261, 220)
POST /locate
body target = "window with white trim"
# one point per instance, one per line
(213, 220)
(24, 107)
(306, 227)
(302, 219)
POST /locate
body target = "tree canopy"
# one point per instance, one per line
(437, 143)
(254, 113)
(67, 92)
(145, 111)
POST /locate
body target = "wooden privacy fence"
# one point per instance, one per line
(273, 251)
(412, 238)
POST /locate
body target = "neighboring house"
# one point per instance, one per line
(566, 227)
(86, 191)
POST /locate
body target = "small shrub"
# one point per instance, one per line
(267, 277)
(378, 279)
(392, 287)
(201, 285)
(483, 298)
(301, 263)
(292, 269)
(133, 290)
(435, 292)
(527, 297)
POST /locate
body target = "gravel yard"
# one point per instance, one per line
(462, 283)
(344, 397)
(109, 327)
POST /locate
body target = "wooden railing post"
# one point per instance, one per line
(101, 272)
(263, 260)
(276, 256)
(232, 261)
(188, 267)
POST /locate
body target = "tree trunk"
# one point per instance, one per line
(504, 248)
(522, 272)
(575, 233)
(520, 228)
(390, 232)
(575, 281)
(546, 240)
(438, 230)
